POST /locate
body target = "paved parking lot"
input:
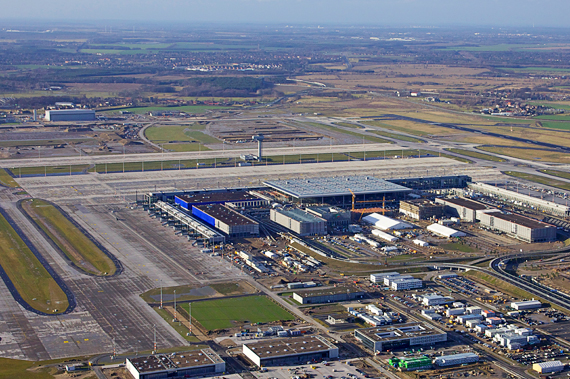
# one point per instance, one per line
(335, 369)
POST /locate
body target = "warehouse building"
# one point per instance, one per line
(386, 223)
(422, 209)
(456, 359)
(523, 200)
(70, 115)
(444, 231)
(519, 227)
(525, 305)
(299, 221)
(339, 190)
(235, 199)
(329, 295)
(460, 207)
(548, 367)
(403, 336)
(290, 351)
(385, 236)
(336, 217)
(226, 220)
(190, 363)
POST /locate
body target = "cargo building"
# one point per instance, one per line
(299, 221)
(290, 351)
(402, 336)
(70, 115)
(228, 221)
(181, 365)
(330, 295)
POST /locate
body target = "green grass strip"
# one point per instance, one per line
(474, 154)
(539, 179)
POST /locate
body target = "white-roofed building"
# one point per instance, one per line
(385, 236)
(548, 367)
(385, 223)
(444, 231)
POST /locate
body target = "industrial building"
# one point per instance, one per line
(399, 336)
(422, 209)
(519, 227)
(523, 200)
(463, 208)
(339, 190)
(70, 115)
(226, 220)
(444, 231)
(385, 223)
(548, 367)
(456, 359)
(299, 221)
(290, 351)
(329, 295)
(408, 364)
(435, 299)
(235, 199)
(189, 363)
(335, 217)
(399, 282)
(525, 305)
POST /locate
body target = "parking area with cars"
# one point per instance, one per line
(325, 370)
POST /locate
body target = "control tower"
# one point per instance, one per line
(259, 138)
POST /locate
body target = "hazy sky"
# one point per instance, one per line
(375, 12)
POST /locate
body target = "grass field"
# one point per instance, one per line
(186, 108)
(474, 154)
(7, 180)
(528, 154)
(361, 136)
(556, 125)
(458, 247)
(540, 179)
(74, 244)
(12, 369)
(562, 174)
(32, 281)
(222, 313)
(180, 327)
(501, 285)
(44, 170)
(400, 137)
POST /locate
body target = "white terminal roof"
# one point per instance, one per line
(386, 223)
(334, 186)
(444, 231)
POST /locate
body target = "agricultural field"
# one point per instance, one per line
(76, 246)
(29, 277)
(228, 313)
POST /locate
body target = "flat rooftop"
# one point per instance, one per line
(334, 186)
(471, 204)
(328, 291)
(218, 197)
(299, 215)
(187, 359)
(225, 215)
(400, 331)
(523, 221)
(290, 346)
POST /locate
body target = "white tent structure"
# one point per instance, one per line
(444, 231)
(385, 223)
(384, 236)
